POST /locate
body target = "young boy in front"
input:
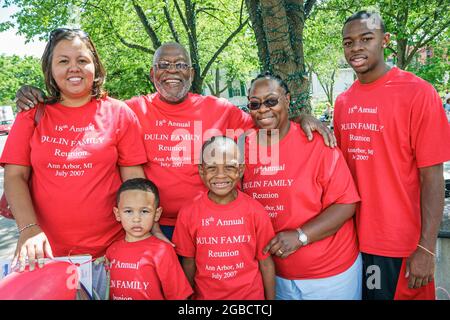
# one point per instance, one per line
(143, 267)
(222, 233)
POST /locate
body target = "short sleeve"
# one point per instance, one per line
(336, 179)
(130, 143)
(184, 242)
(174, 283)
(18, 145)
(239, 119)
(430, 130)
(264, 231)
(336, 116)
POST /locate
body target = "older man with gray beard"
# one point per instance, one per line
(174, 125)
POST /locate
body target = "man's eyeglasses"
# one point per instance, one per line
(269, 103)
(179, 66)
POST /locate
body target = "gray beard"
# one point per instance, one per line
(173, 98)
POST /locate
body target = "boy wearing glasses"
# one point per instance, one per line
(143, 267)
(222, 233)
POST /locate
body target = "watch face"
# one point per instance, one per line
(302, 237)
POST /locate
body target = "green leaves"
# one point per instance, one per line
(126, 33)
(17, 71)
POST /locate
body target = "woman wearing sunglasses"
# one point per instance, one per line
(61, 175)
(310, 195)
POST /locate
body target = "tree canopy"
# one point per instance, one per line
(17, 71)
(127, 33)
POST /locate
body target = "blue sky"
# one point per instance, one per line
(10, 43)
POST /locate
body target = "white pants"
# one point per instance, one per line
(344, 286)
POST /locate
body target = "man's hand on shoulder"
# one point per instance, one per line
(28, 97)
(310, 123)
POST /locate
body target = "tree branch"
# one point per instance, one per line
(121, 39)
(420, 25)
(222, 47)
(210, 86)
(241, 11)
(183, 20)
(218, 19)
(148, 28)
(422, 42)
(392, 49)
(204, 9)
(308, 7)
(134, 46)
(170, 22)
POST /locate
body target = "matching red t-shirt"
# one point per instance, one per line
(173, 136)
(387, 130)
(227, 242)
(75, 154)
(146, 270)
(296, 180)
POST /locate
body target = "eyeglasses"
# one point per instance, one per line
(59, 31)
(179, 66)
(269, 103)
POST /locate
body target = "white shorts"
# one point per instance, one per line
(344, 286)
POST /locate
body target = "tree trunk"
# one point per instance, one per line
(402, 47)
(279, 33)
(254, 11)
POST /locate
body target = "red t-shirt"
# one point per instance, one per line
(297, 187)
(173, 137)
(226, 241)
(388, 129)
(146, 270)
(74, 154)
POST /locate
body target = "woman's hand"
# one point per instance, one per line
(32, 243)
(283, 244)
(160, 235)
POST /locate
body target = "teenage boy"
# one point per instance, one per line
(392, 130)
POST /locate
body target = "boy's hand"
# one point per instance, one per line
(28, 96)
(283, 244)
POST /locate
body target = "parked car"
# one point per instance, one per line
(5, 126)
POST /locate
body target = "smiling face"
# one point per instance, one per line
(73, 70)
(270, 118)
(363, 49)
(137, 212)
(220, 170)
(173, 85)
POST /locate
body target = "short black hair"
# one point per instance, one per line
(270, 76)
(139, 184)
(364, 14)
(224, 138)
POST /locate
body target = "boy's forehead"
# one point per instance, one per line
(135, 193)
(221, 153)
(360, 27)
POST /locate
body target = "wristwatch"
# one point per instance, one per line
(302, 237)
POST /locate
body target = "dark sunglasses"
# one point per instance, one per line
(179, 66)
(269, 103)
(57, 32)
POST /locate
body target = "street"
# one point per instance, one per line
(8, 229)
